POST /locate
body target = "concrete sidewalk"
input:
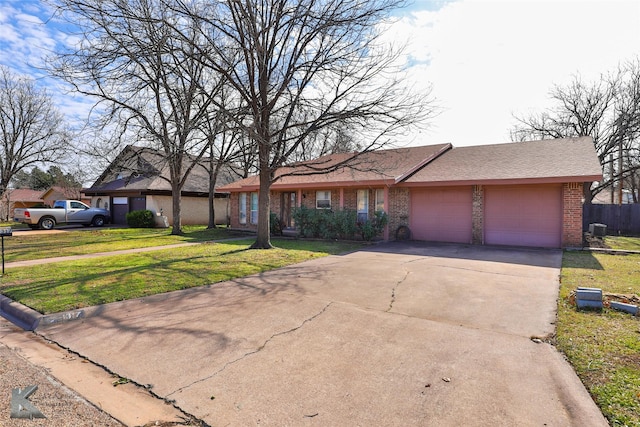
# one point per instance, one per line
(399, 334)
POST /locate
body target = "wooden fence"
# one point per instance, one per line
(619, 219)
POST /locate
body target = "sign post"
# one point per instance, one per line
(4, 231)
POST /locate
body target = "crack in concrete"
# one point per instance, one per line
(250, 353)
(393, 291)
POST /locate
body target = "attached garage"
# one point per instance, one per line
(523, 215)
(441, 214)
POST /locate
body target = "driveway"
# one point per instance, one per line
(398, 334)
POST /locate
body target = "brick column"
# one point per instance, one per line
(398, 209)
(477, 215)
(572, 214)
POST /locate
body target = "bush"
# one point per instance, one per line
(141, 219)
(340, 224)
(373, 227)
(275, 226)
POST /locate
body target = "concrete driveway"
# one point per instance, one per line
(399, 334)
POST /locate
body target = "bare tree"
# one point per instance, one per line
(147, 81)
(32, 130)
(302, 66)
(608, 110)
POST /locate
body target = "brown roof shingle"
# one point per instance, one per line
(382, 166)
(556, 160)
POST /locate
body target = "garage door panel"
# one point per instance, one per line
(526, 215)
(441, 214)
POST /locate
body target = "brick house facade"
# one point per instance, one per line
(467, 185)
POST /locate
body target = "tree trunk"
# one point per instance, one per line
(263, 240)
(177, 206)
(212, 198)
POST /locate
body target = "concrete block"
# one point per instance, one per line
(589, 294)
(588, 304)
(628, 308)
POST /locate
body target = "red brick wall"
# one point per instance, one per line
(572, 214)
(398, 209)
(477, 215)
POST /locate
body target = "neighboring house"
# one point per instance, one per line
(64, 193)
(135, 180)
(606, 197)
(523, 194)
(19, 198)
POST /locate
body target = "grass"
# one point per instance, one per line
(623, 242)
(603, 346)
(27, 246)
(51, 288)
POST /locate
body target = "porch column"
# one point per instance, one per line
(341, 198)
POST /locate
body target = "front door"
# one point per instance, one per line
(287, 204)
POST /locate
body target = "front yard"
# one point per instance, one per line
(604, 346)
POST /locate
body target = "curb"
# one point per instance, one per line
(18, 314)
(29, 319)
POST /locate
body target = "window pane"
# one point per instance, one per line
(380, 199)
(362, 202)
(254, 208)
(323, 199)
(243, 208)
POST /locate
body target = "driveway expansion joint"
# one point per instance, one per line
(250, 353)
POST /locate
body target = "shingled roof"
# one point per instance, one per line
(373, 168)
(544, 161)
(146, 171)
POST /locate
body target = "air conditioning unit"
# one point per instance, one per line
(598, 230)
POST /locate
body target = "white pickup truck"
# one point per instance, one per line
(62, 212)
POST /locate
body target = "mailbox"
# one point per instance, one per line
(6, 231)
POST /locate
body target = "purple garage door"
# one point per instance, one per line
(441, 214)
(523, 215)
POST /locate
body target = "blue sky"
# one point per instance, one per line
(484, 59)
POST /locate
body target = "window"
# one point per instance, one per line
(380, 200)
(323, 199)
(362, 203)
(243, 208)
(254, 208)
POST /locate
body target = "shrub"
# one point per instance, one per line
(340, 224)
(373, 227)
(275, 226)
(141, 219)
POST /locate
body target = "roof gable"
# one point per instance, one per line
(146, 169)
(350, 169)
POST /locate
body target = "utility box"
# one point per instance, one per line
(598, 230)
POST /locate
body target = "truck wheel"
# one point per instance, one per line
(47, 223)
(98, 221)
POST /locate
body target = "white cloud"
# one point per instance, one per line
(487, 60)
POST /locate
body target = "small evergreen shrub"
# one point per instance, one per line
(339, 224)
(275, 226)
(141, 219)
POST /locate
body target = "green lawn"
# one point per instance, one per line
(25, 245)
(603, 347)
(67, 285)
(623, 242)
